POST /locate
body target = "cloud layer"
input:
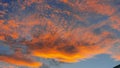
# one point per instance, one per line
(64, 30)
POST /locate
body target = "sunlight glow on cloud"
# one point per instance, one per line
(64, 30)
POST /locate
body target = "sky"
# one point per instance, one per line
(59, 33)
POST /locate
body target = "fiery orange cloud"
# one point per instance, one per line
(20, 62)
(65, 1)
(78, 50)
(56, 42)
(63, 34)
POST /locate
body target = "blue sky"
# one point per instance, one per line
(100, 61)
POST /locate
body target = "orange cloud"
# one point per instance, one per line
(65, 1)
(115, 22)
(55, 42)
(20, 62)
(69, 50)
(55, 37)
(92, 6)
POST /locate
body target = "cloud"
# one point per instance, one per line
(95, 6)
(20, 62)
(59, 30)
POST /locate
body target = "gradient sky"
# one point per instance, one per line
(100, 61)
(59, 33)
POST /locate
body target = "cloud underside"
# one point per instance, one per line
(64, 30)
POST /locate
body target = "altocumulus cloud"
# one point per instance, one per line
(62, 30)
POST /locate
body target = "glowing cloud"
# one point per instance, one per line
(20, 62)
(57, 29)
